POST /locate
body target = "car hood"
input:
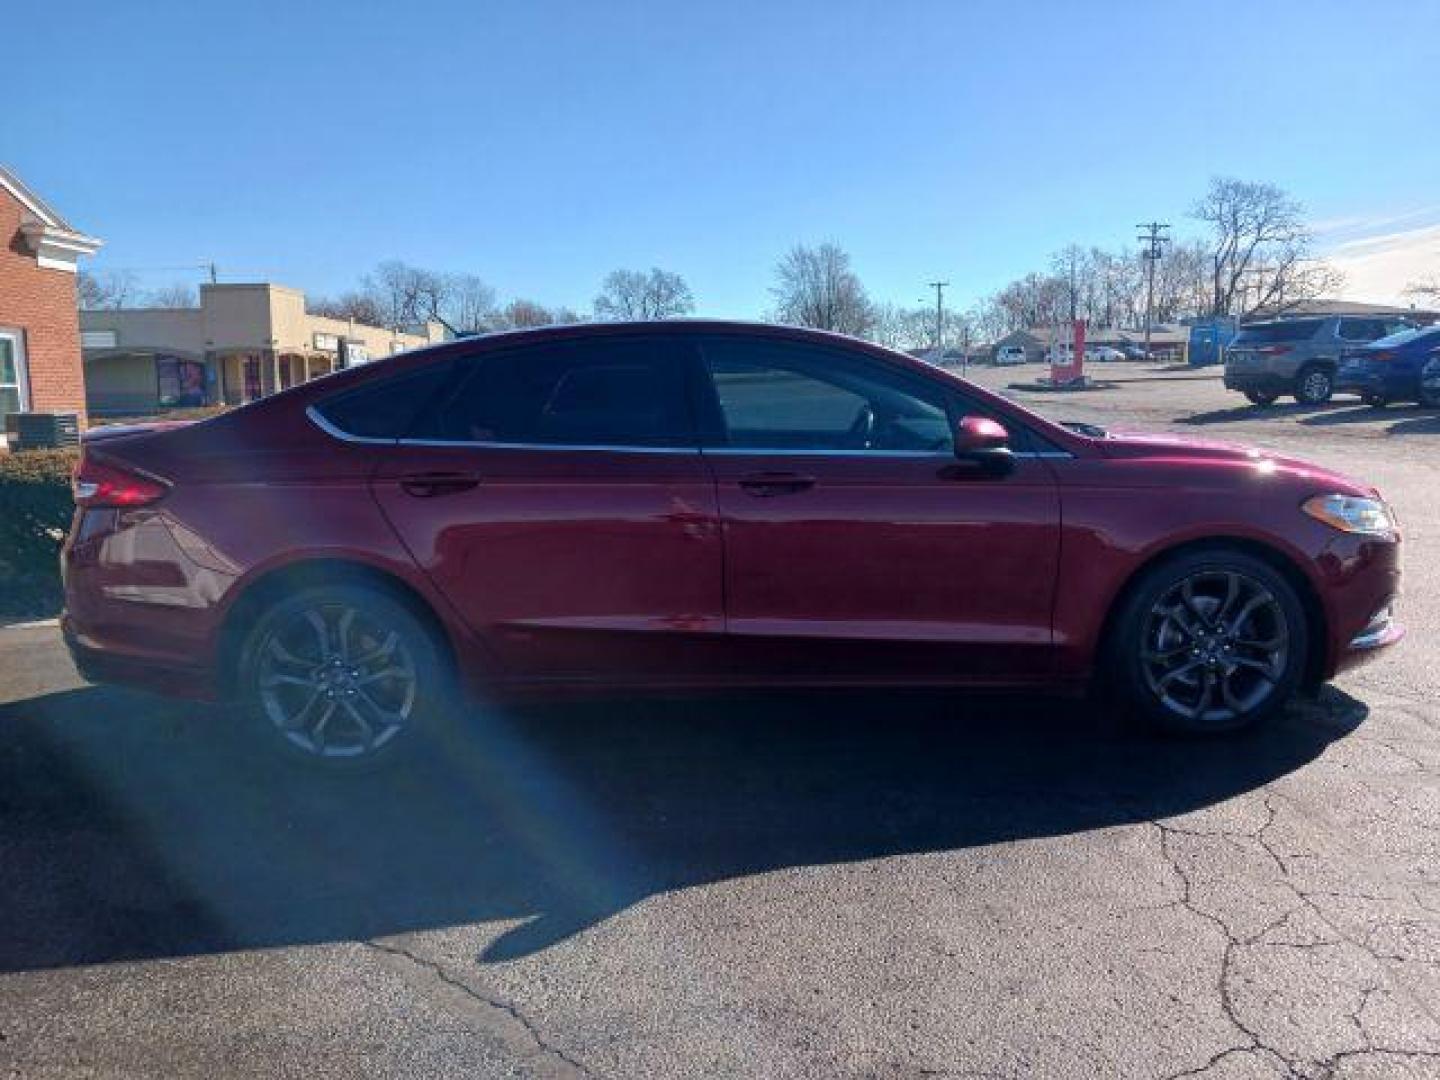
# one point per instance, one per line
(1173, 448)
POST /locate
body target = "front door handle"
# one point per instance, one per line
(768, 484)
(428, 485)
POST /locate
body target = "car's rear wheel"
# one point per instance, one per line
(344, 677)
(1430, 384)
(1375, 401)
(1261, 397)
(1211, 641)
(1314, 385)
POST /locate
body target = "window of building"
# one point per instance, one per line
(180, 382)
(250, 371)
(13, 391)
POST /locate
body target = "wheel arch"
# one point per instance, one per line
(274, 584)
(1316, 620)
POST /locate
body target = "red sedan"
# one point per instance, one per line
(699, 505)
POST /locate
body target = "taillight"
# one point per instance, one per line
(98, 483)
(1274, 350)
(1382, 354)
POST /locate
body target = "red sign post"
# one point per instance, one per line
(1073, 367)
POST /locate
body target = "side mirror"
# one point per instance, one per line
(982, 441)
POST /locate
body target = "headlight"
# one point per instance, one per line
(1350, 514)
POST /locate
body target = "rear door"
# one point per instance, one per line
(857, 547)
(556, 495)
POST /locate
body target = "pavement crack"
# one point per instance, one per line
(497, 1004)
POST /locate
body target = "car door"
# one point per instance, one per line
(857, 546)
(556, 495)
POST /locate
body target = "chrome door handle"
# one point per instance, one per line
(766, 485)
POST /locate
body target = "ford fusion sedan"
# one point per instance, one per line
(699, 506)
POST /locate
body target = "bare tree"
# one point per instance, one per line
(633, 295)
(520, 314)
(358, 306)
(178, 295)
(406, 295)
(106, 291)
(1258, 227)
(816, 287)
(1426, 290)
(470, 303)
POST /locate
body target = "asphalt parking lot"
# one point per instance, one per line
(818, 885)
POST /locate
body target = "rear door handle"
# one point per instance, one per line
(428, 485)
(765, 485)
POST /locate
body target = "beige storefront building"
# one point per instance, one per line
(243, 342)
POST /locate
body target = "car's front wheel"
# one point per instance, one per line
(1211, 641)
(344, 677)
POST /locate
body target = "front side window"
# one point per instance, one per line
(782, 396)
(12, 372)
(621, 393)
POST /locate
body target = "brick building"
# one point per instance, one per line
(40, 368)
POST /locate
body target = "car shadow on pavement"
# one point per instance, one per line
(136, 828)
(1240, 413)
(1364, 414)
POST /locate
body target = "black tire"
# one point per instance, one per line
(382, 671)
(1375, 401)
(1147, 650)
(1314, 385)
(1430, 384)
(1262, 397)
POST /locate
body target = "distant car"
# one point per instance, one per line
(1010, 354)
(699, 505)
(1104, 353)
(1402, 367)
(1298, 356)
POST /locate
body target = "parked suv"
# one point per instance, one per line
(1297, 356)
(699, 505)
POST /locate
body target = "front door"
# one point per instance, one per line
(558, 498)
(857, 547)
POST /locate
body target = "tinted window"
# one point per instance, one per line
(780, 396)
(384, 409)
(613, 393)
(1269, 333)
(1362, 329)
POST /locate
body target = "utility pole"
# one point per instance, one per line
(939, 287)
(1154, 238)
(214, 276)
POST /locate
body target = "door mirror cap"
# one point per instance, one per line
(979, 435)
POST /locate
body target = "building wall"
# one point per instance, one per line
(40, 302)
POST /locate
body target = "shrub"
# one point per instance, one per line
(35, 511)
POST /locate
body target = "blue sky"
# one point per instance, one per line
(542, 144)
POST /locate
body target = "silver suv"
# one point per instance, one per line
(1297, 356)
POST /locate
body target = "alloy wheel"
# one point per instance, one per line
(1214, 647)
(1430, 384)
(1315, 386)
(335, 682)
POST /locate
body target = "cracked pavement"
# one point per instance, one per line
(834, 885)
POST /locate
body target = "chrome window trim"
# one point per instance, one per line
(318, 419)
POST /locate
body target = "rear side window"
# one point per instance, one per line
(609, 393)
(1270, 333)
(384, 409)
(1362, 329)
